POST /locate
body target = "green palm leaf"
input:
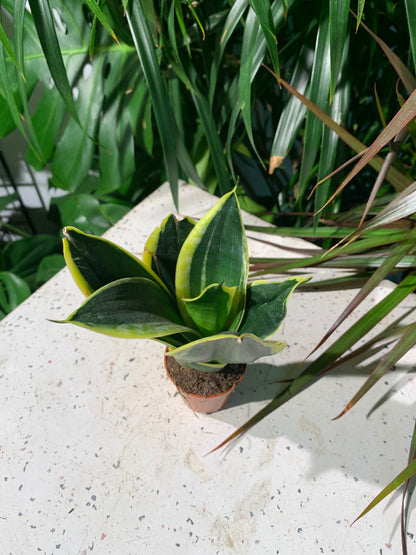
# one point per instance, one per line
(43, 19)
(146, 52)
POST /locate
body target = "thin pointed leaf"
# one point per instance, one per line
(411, 24)
(7, 91)
(251, 32)
(284, 264)
(43, 19)
(408, 492)
(394, 257)
(319, 95)
(18, 28)
(402, 206)
(252, 54)
(146, 52)
(329, 144)
(7, 45)
(406, 113)
(233, 19)
(99, 14)
(264, 14)
(338, 24)
(322, 232)
(212, 136)
(407, 473)
(130, 308)
(192, 9)
(396, 178)
(409, 80)
(360, 11)
(293, 113)
(406, 342)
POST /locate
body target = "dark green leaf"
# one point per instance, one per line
(83, 211)
(13, 291)
(338, 23)
(131, 308)
(266, 306)
(319, 95)
(162, 248)
(48, 267)
(411, 24)
(43, 19)
(100, 15)
(95, 262)
(265, 16)
(114, 212)
(73, 157)
(22, 257)
(146, 52)
(47, 121)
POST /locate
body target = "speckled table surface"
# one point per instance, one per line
(99, 454)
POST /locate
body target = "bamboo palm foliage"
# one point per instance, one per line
(103, 91)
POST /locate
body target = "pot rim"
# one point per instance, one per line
(196, 395)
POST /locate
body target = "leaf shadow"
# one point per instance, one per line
(358, 444)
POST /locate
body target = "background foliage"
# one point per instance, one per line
(187, 85)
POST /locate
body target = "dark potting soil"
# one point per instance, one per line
(204, 383)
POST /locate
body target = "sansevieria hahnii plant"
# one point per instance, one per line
(190, 291)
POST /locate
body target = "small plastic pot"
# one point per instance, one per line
(199, 403)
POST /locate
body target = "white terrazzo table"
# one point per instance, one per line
(99, 454)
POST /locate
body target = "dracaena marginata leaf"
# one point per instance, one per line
(266, 305)
(225, 348)
(211, 309)
(215, 251)
(130, 308)
(162, 248)
(95, 262)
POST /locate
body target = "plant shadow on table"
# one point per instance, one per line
(353, 443)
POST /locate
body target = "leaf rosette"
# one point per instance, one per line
(189, 291)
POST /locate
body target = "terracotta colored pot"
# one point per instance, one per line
(199, 403)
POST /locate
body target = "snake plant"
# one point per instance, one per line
(189, 291)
